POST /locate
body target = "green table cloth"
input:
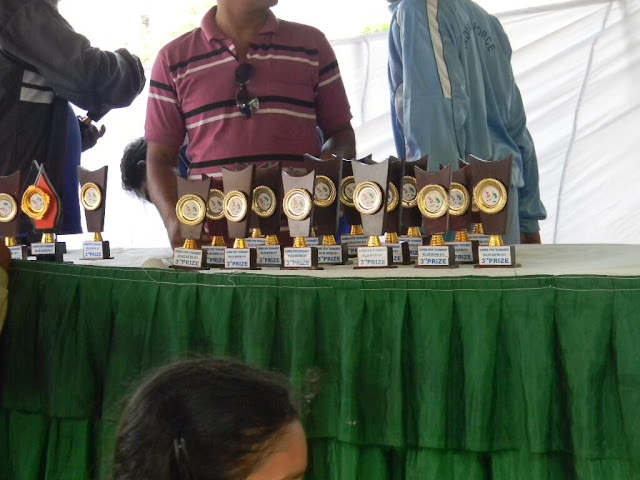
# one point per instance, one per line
(460, 378)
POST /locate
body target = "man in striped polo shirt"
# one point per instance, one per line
(244, 87)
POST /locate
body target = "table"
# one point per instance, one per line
(463, 374)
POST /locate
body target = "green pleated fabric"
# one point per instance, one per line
(469, 378)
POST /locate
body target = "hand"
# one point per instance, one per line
(530, 238)
(89, 133)
(173, 231)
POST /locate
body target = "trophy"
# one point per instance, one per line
(191, 211)
(325, 212)
(490, 191)
(433, 202)
(93, 195)
(216, 225)
(356, 237)
(477, 231)
(238, 188)
(460, 214)
(394, 212)
(41, 204)
(370, 199)
(266, 211)
(297, 206)
(411, 219)
(9, 215)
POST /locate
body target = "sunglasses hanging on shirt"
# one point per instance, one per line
(247, 103)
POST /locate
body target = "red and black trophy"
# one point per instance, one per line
(238, 188)
(93, 198)
(490, 190)
(433, 202)
(10, 215)
(191, 211)
(42, 205)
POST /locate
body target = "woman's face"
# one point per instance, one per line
(287, 459)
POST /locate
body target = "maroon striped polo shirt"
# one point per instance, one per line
(193, 95)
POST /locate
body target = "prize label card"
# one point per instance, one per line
(396, 248)
(373, 257)
(464, 252)
(92, 250)
(433, 256)
(16, 252)
(330, 254)
(483, 240)
(269, 256)
(353, 242)
(43, 249)
(255, 242)
(237, 258)
(312, 241)
(183, 257)
(214, 255)
(297, 258)
(414, 243)
(498, 256)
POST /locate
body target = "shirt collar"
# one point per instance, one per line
(212, 32)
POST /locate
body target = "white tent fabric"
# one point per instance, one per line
(578, 66)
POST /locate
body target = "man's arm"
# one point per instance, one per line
(161, 181)
(93, 79)
(342, 143)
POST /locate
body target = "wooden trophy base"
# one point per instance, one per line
(240, 259)
(333, 254)
(435, 257)
(375, 257)
(300, 258)
(353, 242)
(18, 252)
(270, 255)
(466, 252)
(214, 256)
(49, 252)
(96, 251)
(401, 253)
(497, 257)
(189, 259)
(414, 243)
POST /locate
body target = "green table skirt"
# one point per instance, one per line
(457, 378)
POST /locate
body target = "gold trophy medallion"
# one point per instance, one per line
(393, 198)
(8, 208)
(35, 202)
(368, 197)
(190, 209)
(459, 199)
(324, 191)
(490, 195)
(91, 196)
(235, 206)
(215, 204)
(264, 201)
(347, 187)
(433, 201)
(409, 192)
(297, 204)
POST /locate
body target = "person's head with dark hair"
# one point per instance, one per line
(211, 420)
(133, 168)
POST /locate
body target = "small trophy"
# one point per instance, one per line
(477, 231)
(238, 188)
(325, 213)
(370, 199)
(93, 196)
(41, 204)
(466, 250)
(433, 202)
(216, 225)
(266, 211)
(297, 206)
(491, 181)
(191, 211)
(400, 249)
(9, 215)
(411, 219)
(356, 237)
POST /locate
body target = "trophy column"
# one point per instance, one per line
(216, 225)
(401, 254)
(466, 250)
(93, 196)
(411, 220)
(238, 188)
(266, 211)
(433, 202)
(356, 237)
(491, 181)
(9, 215)
(191, 212)
(297, 206)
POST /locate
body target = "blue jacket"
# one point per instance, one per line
(454, 93)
